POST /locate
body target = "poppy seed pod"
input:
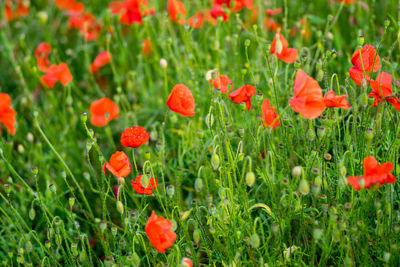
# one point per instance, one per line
(311, 134)
(304, 187)
(297, 171)
(120, 207)
(170, 190)
(198, 185)
(32, 214)
(196, 235)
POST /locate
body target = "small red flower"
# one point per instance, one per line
(186, 262)
(369, 62)
(181, 101)
(243, 95)
(374, 174)
(103, 111)
(347, 1)
(269, 116)
(307, 100)
(382, 90)
(218, 11)
(197, 20)
(158, 232)
(141, 189)
(118, 165)
(332, 101)
(41, 54)
(279, 47)
(147, 48)
(7, 113)
(16, 11)
(222, 82)
(101, 60)
(134, 137)
(56, 73)
(72, 7)
(131, 11)
(273, 12)
(177, 11)
(87, 26)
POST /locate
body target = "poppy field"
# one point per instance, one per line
(199, 133)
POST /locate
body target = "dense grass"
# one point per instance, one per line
(58, 208)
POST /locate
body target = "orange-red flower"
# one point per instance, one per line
(347, 1)
(269, 116)
(177, 11)
(101, 60)
(103, 111)
(237, 4)
(87, 26)
(14, 12)
(72, 7)
(134, 137)
(131, 11)
(56, 73)
(271, 25)
(382, 90)
(332, 101)
(159, 233)
(197, 20)
(308, 99)
(186, 262)
(222, 82)
(7, 113)
(147, 48)
(219, 11)
(373, 174)
(279, 47)
(368, 62)
(181, 101)
(41, 54)
(118, 165)
(144, 190)
(273, 12)
(243, 95)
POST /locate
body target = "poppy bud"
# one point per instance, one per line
(329, 35)
(32, 214)
(63, 174)
(170, 190)
(198, 185)
(247, 43)
(163, 63)
(304, 187)
(311, 134)
(153, 135)
(20, 259)
(215, 161)
(315, 189)
(84, 117)
(71, 201)
(186, 262)
(297, 171)
(196, 235)
(321, 131)
(7, 188)
(320, 75)
(47, 243)
(317, 233)
(184, 215)
(103, 226)
(74, 249)
(342, 170)
(369, 135)
(120, 207)
(318, 180)
(387, 23)
(209, 120)
(250, 179)
(114, 231)
(82, 256)
(360, 40)
(254, 241)
(52, 188)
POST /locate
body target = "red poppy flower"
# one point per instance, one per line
(118, 165)
(147, 47)
(269, 116)
(218, 11)
(373, 174)
(222, 83)
(56, 73)
(103, 111)
(41, 54)
(181, 101)
(279, 47)
(134, 137)
(115, 190)
(186, 262)
(158, 231)
(382, 90)
(369, 60)
(101, 60)
(142, 190)
(243, 95)
(131, 11)
(19, 10)
(273, 12)
(7, 113)
(87, 26)
(72, 7)
(347, 1)
(332, 101)
(236, 4)
(197, 20)
(271, 25)
(177, 11)
(308, 99)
